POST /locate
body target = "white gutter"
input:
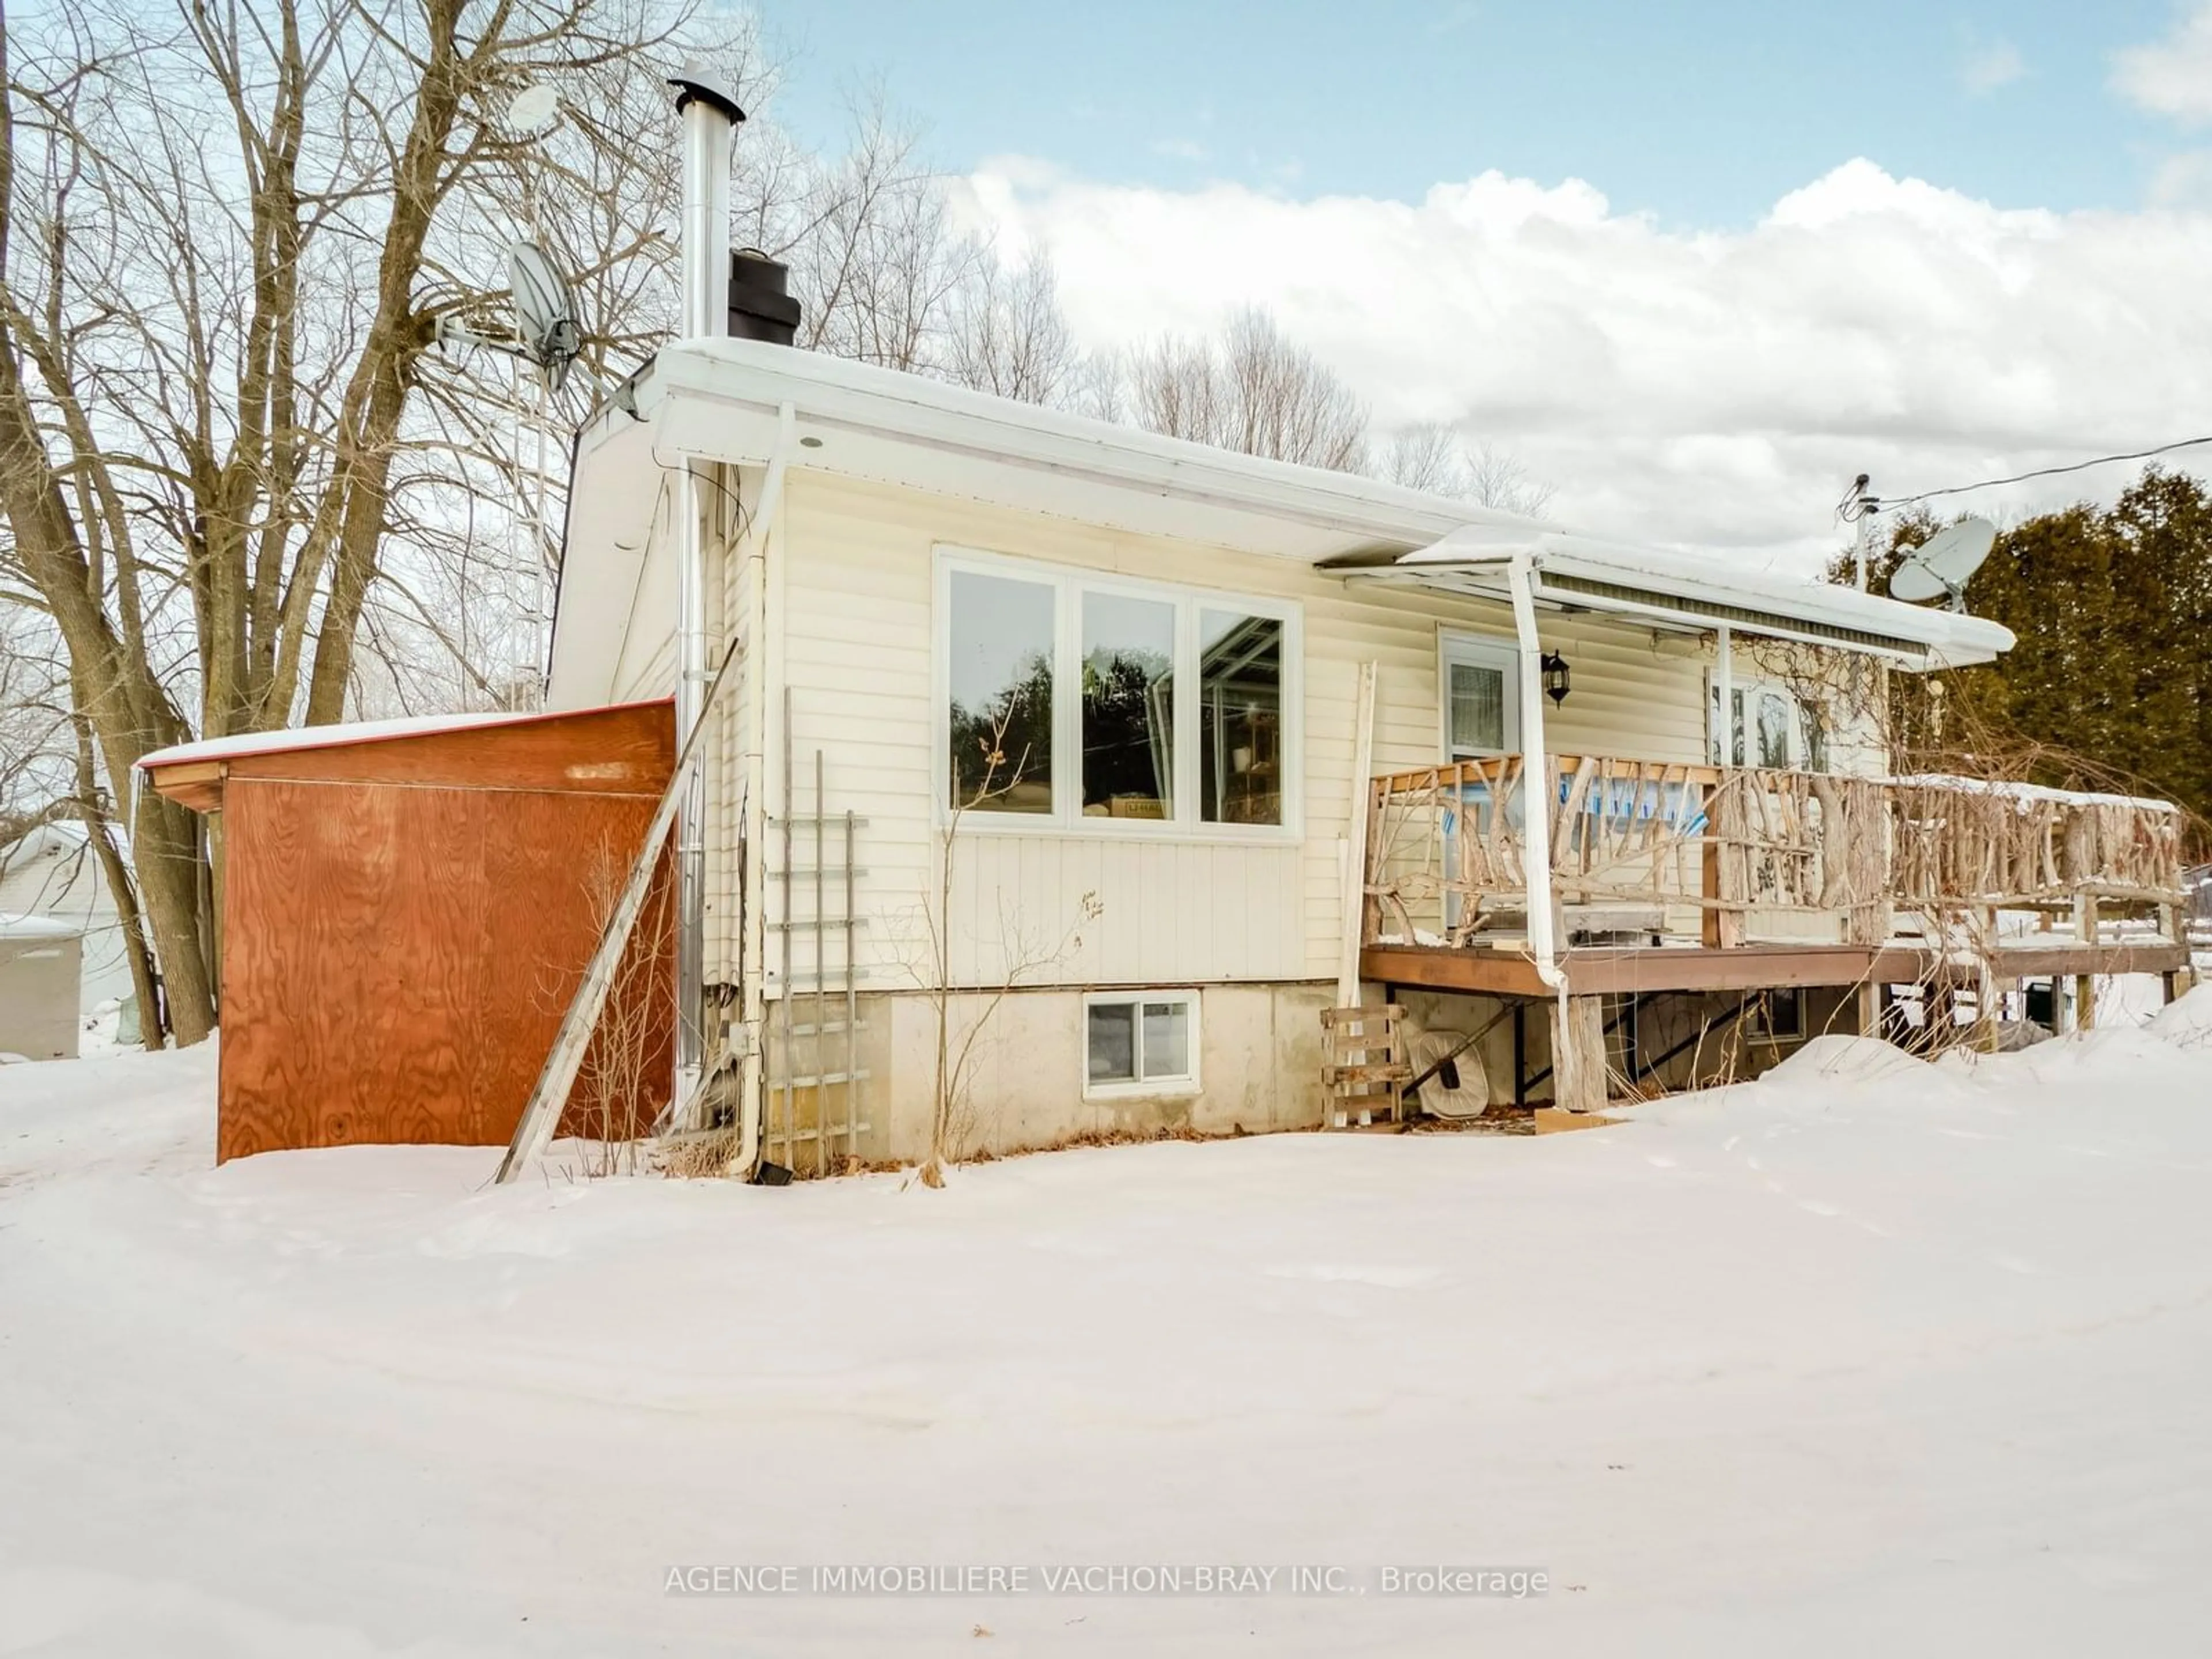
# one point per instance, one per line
(760, 673)
(841, 396)
(1535, 778)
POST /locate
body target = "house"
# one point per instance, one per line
(406, 907)
(1034, 778)
(1041, 746)
(54, 870)
(39, 972)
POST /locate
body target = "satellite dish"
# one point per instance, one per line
(545, 319)
(534, 112)
(1940, 567)
(544, 311)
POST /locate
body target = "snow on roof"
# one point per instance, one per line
(1588, 568)
(292, 740)
(14, 925)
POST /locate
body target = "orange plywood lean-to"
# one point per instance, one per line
(405, 914)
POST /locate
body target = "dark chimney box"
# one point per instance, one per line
(760, 306)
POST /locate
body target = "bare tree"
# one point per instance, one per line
(1009, 336)
(34, 737)
(48, 776)
(872, 248)
(226, 238)
(1252, 390)
(1432, 457)
(1024, 952)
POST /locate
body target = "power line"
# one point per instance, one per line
(2046, 472)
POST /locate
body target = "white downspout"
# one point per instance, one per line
(1536, 785)
(763, 671)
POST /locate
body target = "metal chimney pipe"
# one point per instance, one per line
(710, 117)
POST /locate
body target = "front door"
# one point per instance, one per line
(1480, 683)
(1479, 687)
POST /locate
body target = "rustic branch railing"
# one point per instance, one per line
(1729, 853)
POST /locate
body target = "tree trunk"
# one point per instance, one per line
(152, 1025)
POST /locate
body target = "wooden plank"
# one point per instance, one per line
(2038, 961)
(625, 750)
(1578, 1063)
(1352, 924)
(1497, 973)
(565, 1056)
(1746, 967)
(195, 784)
(1378, 1014)
(1617, 971)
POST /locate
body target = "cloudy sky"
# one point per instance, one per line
(1694, 264)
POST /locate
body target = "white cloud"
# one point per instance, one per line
(2183, 180)
(1700, 387)
(2172, 76)
(1989, 65)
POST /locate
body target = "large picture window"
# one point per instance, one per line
(1094, 701)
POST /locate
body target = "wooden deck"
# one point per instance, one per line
(1492, 971)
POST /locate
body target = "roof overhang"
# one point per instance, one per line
(193, 774)
(1680, 592)
(721, 401)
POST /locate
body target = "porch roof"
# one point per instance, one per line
(1684, 590)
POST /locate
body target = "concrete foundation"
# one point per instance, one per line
(1260, 1057)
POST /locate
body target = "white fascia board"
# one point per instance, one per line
(830, 394)
(718, 399)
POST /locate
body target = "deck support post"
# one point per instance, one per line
(1869, 1000)
(1520, 1052)
(1579, 1067)
(2085, 985)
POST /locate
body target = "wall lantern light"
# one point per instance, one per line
(1557, 680)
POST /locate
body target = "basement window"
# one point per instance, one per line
(1140, 1043)
(1780, 1015)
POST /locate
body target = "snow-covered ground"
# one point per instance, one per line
(1870, 1357)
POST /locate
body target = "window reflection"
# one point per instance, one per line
(1001, 694)
(1240, 684)
(1128, 706)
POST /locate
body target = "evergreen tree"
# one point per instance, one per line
(2112, 680)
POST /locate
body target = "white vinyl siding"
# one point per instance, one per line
(858, 631)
